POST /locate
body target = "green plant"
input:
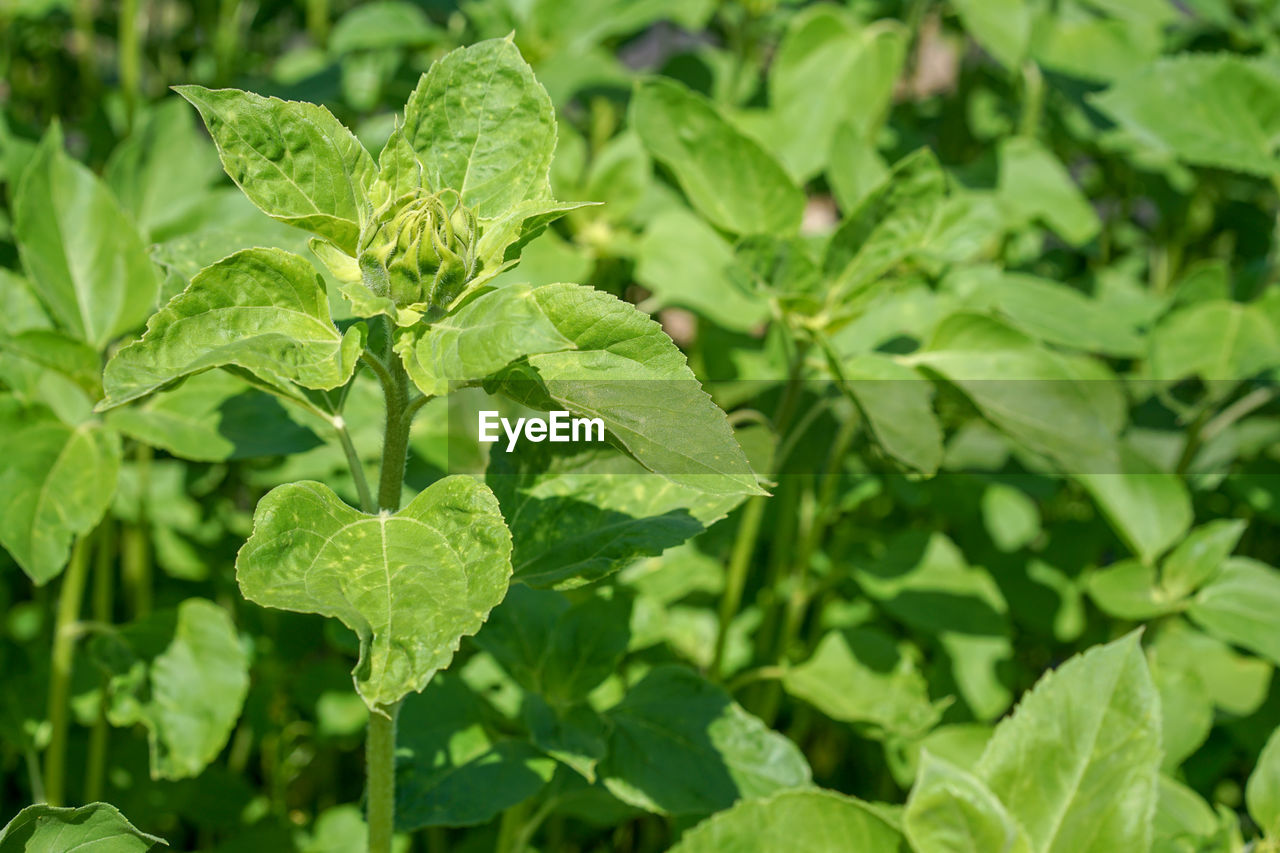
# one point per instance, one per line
(981, 556)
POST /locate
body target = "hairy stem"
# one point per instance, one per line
(70, 598)
(380, 768)
(395, 443)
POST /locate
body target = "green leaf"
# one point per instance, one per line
(1198, 557)
(578, 515)
(382, 25)
(56, 488)
(1235, 682)
(558, 650)
(952, 811)
(1216, 340)
(897, 402)
(925, 583)
(1150, 510)
(451, 771)
(1002, 27)
(828, 70)
(1183, 819)
(794, 820)
(84, 257)
(1186, 711)
(1076, 764)
(1034, 185)
(163, 171)
(183, 674)
(213, 417)
(74, 359)
(98, 826)
(589, 353)
(1262, 793)
(484, 127)
(1215, 110)
(683, 261)
(727, 176)
(264, 310)
(1010, 516)
(681, 745)
(1129, 590)
(862, 676)
(410, 585)
(294, 160)
(1240, 606)
(1062, 315)
(890, 225)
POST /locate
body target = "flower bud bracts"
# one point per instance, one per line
(419, 250)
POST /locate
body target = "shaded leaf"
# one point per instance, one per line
(183, 675)
(681, 745)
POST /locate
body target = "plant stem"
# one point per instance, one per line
(380, 768)
(1032, 100)
(354, 463)
(744, 543)
(130, 50)
(395, 443)
(99, 737)
(135, 553)
(70, 598)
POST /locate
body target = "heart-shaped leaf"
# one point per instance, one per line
(410, 584)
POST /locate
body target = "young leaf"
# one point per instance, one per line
(84, 257)
(584, 351)
(183, 675)
(294, 160)
(794, 820)
(681, 745)
(1076, 764)
(1198, 557)
(54, 486)
(727, 176)
(952, 811)
(410, 585)
(861, 676)
(1213, 110)
(1149, 509)
(98, 827)
(1128, 590)
(264, 310)
(1240, 606)
(892, 223)
(484, 127)
(1262, 793)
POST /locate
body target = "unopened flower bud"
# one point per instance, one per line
(419, 250)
